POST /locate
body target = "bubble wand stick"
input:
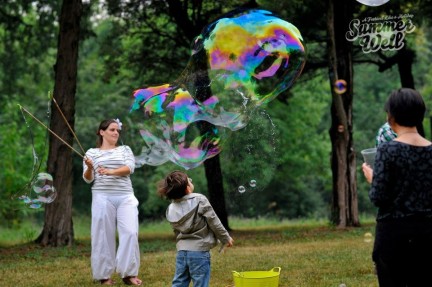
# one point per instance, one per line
(41, 123)
(70, 128)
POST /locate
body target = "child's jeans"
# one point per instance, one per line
(192, 265)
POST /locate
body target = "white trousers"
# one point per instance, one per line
(109, 210)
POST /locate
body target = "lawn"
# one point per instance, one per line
(310, 254)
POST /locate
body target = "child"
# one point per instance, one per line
(197, 229)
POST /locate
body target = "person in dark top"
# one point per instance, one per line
(402, 190)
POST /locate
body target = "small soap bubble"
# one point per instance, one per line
(31, 203)
(368, 237)
(35, 205)
(47, 194)
(44, 189)
(340, 86)
(41, 192)
(43, 178)
(373, 3)
(25, 199)
(252, 183)
(241, 189)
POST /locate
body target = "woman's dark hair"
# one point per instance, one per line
(406, 107)
(103, 126)
(174, 185)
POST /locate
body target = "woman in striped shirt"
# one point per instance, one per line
(114, 206)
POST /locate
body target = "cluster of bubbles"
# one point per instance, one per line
(42, 191)
(252, 184)
(238, 63)
(250, 157)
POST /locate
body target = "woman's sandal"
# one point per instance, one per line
(108, 281)
(132, 280)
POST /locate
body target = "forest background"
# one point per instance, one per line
(125, 45)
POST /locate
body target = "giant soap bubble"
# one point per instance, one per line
(238, 63)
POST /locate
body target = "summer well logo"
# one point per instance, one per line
(385, 33)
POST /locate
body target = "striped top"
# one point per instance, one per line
(384, 134)
(112, 159)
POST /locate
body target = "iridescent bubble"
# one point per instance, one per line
(241, 189)
(368, 237)
(42, 192)
(31, 203)
(238, 63)
(373, 2)
(340, 86)
(252, 183)
(35, 205)
(42, 179)
(47, 194)
(44, 189)
(25, 199)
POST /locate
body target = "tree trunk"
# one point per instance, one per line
(215, 188)
(405, 60)
(58, 227)
(343, 162)
(212, 165)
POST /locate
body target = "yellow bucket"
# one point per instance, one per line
(257, 278)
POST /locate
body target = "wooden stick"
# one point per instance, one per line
(70, 128)
(41, 123)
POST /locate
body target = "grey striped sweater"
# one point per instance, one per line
(113, 158)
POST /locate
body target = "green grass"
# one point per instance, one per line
(311, 254)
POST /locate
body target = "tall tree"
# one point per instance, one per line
(345, 206)
(58, 226)
(339, 61)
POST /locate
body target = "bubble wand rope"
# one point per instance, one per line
(36, 162)
(70, 128)
(41, 123)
